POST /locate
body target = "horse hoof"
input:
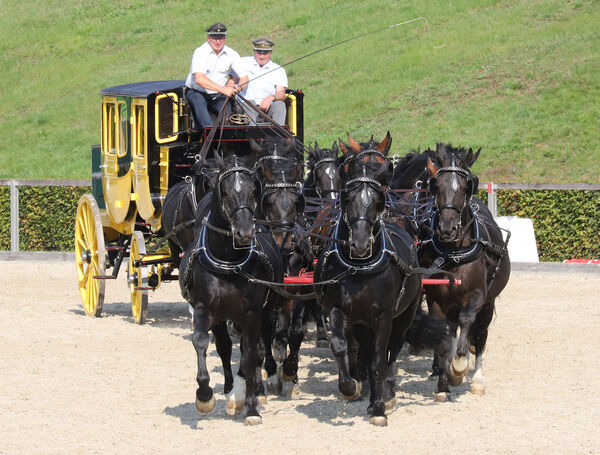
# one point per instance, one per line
(379, 421)
(356, 393)
(459, 366)
(478, 388)
(206, 407)
(391, 404)
(454, 381)
(441, 397)
(472, 349)
(253, 420)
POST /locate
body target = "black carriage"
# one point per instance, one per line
(148, 144)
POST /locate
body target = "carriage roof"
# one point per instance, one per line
(142, 89)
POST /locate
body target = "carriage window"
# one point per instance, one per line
(139, 130)
(123, 123)
(166, 118)
(108, 128)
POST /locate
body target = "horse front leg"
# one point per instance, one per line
(248, 364)
(349, 387)
(460, 362)
(205, 399)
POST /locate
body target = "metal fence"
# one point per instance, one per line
(491, 188)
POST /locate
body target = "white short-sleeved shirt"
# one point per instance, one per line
(258, 89)
(216, 66)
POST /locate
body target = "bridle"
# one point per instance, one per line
(454, 186)
(330, 174)
(237, 188)
(378, 187)
(282, 184)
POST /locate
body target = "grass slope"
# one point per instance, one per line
(519, 79)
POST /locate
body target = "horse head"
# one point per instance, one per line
(451, 184)
(365, 175)
(237, 191)
(279, 167)
(323, 170)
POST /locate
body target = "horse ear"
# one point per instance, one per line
(471, 158)
(431, 167)
(384, 146)
(353, 144)
(334, 148)
(344, 148)
(316, 146)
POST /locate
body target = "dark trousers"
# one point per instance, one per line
(203, 104)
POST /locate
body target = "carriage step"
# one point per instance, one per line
(115, 248)
(144, 288)
(104, 277)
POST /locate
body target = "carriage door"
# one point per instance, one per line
(116, 178)
(166, 128)
(141, 171)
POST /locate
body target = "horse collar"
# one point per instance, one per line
(217, 265)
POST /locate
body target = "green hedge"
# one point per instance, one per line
(566, 223)
(46, 217)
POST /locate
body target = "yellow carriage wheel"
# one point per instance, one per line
(90, 255)
(137, 277)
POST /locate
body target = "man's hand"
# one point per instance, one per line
(266, 103)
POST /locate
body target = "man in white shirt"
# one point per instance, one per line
(263, 82)
(211, 81)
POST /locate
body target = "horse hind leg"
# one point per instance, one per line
(223, 345)
(349, 387)
(289, 368)
(478, 341)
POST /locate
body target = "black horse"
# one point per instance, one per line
(215, 271)
(368, 268)
(278, 163)
(465, 240)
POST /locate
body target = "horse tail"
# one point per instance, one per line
(427, 331)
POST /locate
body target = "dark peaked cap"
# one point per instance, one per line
(263, 44)
(217, 29)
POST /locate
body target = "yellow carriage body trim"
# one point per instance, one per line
(107, 126)
(164, 172)
(292, 114)
(163, 114)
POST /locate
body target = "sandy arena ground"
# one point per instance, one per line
(71, 384)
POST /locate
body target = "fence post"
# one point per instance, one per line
(14, 216)
(492, 202)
